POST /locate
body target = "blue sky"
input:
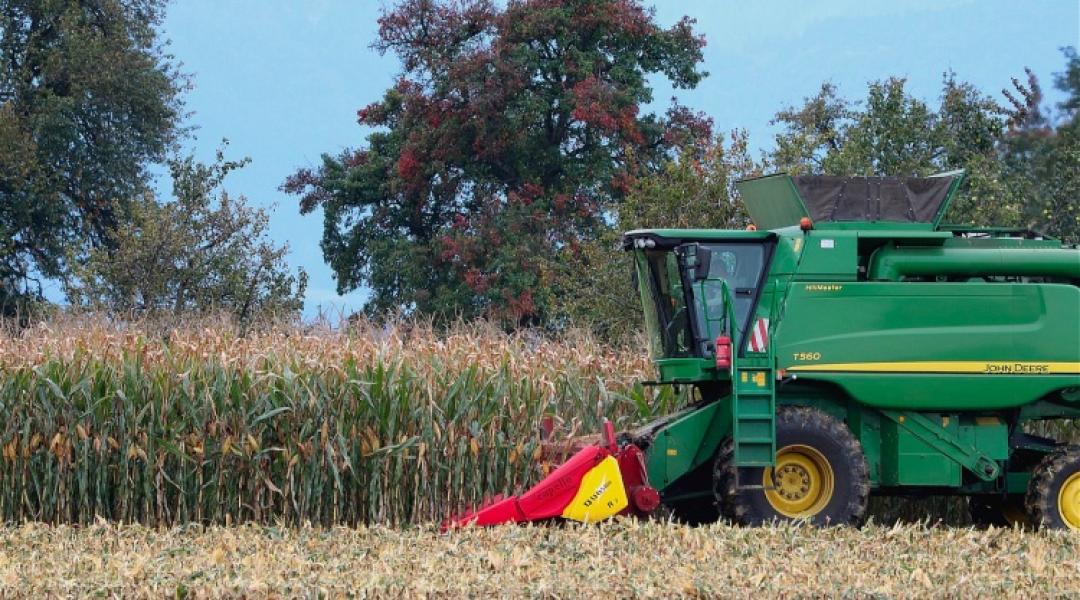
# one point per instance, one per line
(283, 79)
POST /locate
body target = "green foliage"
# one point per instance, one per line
(812, 133)
(87, 99)
(695, 190)
(1056, 176)
(511, 134)
(593, 283)
(204, 251)
(1023, 168)
(1043, 157)
(893, 133)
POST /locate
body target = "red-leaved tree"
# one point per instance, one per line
(510, 137)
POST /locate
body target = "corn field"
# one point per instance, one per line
(393, 425)
(396, 424)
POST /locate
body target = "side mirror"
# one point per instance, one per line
(704, 262)
(696, 259)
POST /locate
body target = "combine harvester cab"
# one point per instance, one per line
(850, 344)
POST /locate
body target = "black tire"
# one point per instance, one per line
(998, 510)
(804, 436)
(721, 474)
(1053, 496)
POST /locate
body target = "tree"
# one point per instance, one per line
(1042, 156)
(204, 251)
(811, 133)
(893, 133)
(694, 190)
(508, 137)
(88, 98)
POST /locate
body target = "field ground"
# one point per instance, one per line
(610, 560)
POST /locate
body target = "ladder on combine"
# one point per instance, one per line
(753, 397)
(753, 413)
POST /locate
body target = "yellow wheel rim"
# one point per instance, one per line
(1069, 501)
(801, 484)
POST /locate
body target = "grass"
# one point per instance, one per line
(617, 559)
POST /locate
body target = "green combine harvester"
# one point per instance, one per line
(849, 345)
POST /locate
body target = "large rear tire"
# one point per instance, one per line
(1053, 497)
(820, 475)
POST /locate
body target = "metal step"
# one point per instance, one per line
(753, 406)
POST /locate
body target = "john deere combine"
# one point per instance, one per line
(849, 345)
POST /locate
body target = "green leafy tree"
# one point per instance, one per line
(510, 134)
(695, 190)
(204, 251)
(1056, 177)
(1042, 155)
(893, 133)
(812, 132)
(88, 98)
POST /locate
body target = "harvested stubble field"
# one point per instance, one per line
(609, 560)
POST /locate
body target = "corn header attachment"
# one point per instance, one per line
(598, 482)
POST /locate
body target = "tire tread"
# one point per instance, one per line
(735, 506)
(1041, 499)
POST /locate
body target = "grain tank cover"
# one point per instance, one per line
(776, 201)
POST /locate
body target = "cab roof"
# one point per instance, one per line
(674, 237)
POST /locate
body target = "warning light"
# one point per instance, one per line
(723, 352)
(805, 224)
(751, 227)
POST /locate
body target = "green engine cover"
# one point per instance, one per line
(933, 346)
